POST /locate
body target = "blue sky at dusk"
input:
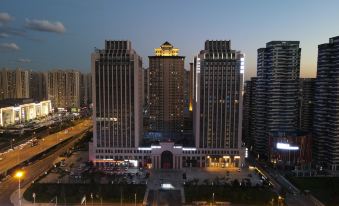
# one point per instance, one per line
(45, 34)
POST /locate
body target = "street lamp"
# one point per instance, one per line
(18, 175)
(280, 200)
(12, 140)
(213, 198)
(135, 199)
(34, 196)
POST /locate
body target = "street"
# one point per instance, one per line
(33, 171)
(15, 157)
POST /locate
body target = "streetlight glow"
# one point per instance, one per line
(19, 174)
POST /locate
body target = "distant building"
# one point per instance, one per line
(276, 92)
(248, 112)
(306, 104)
(13, 111)
(166, 92)
(146, 87)
(187, 74)
(85, 89)
(117, 102)
(326, 107)
(191, 89)
(63, 88)
(38, 85)
(14, 84)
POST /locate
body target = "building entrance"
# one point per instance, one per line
(166, 160)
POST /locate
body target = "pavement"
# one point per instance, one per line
(164, 198)
(158, 196)
(37, 168)
(15, 157)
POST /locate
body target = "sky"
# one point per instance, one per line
(45, 34)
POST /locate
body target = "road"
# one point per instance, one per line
(293, 196)
(34, 170)
(15, 157)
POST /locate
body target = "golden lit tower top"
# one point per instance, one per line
(166, 49)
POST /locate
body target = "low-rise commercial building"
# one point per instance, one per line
(14, 111)
(167, 155)
(290, 148)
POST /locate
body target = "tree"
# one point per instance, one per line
(235, 183)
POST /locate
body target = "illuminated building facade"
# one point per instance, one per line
(291, 148)
(218, 99)
(219, 96)
(14, 111)
(326, 107)
(118, 110)
(166, 92)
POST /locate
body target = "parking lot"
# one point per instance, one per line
(213, 175)
(77, 169)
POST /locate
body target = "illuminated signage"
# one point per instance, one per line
(286, 146)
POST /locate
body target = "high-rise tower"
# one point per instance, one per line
(166, 92)
(326, 106)
(276, 106)
(117, 100)
(219, 87)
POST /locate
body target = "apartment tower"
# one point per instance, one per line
(276, 106)
(326, 107)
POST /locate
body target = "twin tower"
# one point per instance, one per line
(215, 99)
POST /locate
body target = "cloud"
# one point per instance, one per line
(12, 31)
(3, 35)
(5, 17)
(24, 60)
(9, 47)
(45, 26)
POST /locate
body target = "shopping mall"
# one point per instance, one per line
(22, 110)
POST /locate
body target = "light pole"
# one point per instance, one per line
(34, 195)
(213, 198)
(135, 199)
(12, 140)
(19, 174)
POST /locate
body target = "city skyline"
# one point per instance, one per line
(38, 40)
(169, 102)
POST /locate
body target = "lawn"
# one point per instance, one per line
(228, 193)
(326, 189)
(73, 193)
